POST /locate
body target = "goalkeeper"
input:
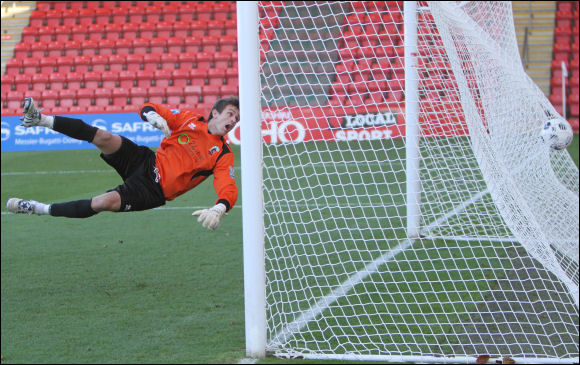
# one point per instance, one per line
(192, 150)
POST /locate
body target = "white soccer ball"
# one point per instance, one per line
(557, 133)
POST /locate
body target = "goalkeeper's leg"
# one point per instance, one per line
(75, 128)
(110, 201)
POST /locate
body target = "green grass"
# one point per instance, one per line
(146, 287)
(140, 287)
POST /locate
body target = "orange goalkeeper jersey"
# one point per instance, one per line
(191, 154)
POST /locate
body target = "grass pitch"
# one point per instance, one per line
(145, 287)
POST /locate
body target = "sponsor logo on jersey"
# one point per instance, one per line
(213, 150)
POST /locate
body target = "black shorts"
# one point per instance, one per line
(136, 165)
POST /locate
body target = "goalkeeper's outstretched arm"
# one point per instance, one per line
(149, 114)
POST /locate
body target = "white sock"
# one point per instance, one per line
(41, 208)
(46, 121)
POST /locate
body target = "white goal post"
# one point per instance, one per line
(398, 203)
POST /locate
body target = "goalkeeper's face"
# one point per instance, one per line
(221, 123)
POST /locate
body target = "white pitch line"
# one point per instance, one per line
(30, 173)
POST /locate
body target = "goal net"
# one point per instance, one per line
(411, 212)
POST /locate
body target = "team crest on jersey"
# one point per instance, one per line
(213, 150)
(192, 125)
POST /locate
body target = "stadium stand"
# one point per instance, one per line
(565, 51)
(117, 54)
(114, 55)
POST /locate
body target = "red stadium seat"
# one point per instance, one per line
(228, 43)
(176, 45)
(50, 99)
(130, 30)
(163, 78)
(210, 44)
(57, 80)
(53, 17)
(174, 95)
(85, 16)
(120, 16)
(37, 49)
(14, 100)
(215, 28)
(144, 78)
(69, 17)
(103, 16)
(92, 79)
(181, 29)
(82, 63)
(22, 82)
(216, 76)
(103, 97)
(153, 14)
(222, 11)
(169, 61)
(134, 62)
(222, 59)
(147, 29)
(89, 47)
(100, 63)
(62, 33)
(210, 94)
(39, 81)
(164, 29)
(192, 44)
(229, 90)
(85, 97)
(151, 61)
(120, 96)
(13, 66)
(230, 27)
(181, 78)
(187, 12)
(156, 95)
(187, 60)
(169, 12)
(232, 76)
(79, 32)
(116, 62)
(198, 76)
(140, 46)
(67, 97)
(138, 96)
(157, 45)
(204, 60)
(8, 82)
(37, 18)
(64, 64)
(124, 46)
(113, 31)
(74, 80)
(95, 31)
(127, 79)
(204, 11)
(109, 79)
(30, 34)
(136, 14)
(30, 65)
(192, 95)
(45, 33)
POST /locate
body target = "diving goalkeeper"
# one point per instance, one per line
(192, 150)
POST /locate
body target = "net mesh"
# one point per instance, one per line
(496, 271)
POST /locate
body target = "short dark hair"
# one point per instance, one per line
(221, 104)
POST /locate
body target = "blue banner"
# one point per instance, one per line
(16, 137)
